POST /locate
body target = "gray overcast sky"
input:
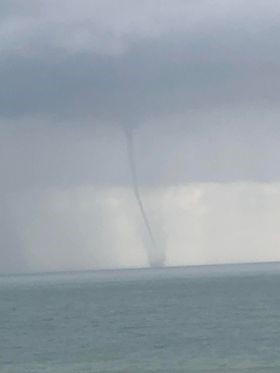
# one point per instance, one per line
(196, 81)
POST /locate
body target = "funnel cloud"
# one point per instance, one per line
(156, 256)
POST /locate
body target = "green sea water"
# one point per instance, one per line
(200, 319)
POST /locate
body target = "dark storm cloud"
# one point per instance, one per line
(152, 77)
(232, 62)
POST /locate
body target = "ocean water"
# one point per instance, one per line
(200, 319)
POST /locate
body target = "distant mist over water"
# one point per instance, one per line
(95, 228)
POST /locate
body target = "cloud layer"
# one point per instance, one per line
(105, 63)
